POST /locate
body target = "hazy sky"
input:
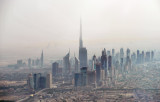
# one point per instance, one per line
(28, 26)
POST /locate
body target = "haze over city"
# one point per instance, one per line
(79, 50)
(29, 26)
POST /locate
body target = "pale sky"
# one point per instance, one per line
(28, 26)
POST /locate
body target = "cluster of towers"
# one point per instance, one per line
(36, 62)
(38, 81)
(101, 70)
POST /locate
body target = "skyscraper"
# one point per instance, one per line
(30, 82)
(148, 56)
(55, 67)
(104, 61)
(128, 52)
(36, 81)
(94, 61)
(84, 76)
(49, 80)
(82, 50)
(66, 64)
(77, 65)
(121, 58)
(42, 59)
(138, 57)
(152, 55)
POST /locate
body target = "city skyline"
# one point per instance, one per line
(105, 25)
(79, 50)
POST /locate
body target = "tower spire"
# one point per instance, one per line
(80, 39)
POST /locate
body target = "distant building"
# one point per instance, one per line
(55, 67)
(98, 72)
(77, 65)
(84, 78)
(37, 62)
(104, 60)
(42, 59)
(91, 77)
(109, 63)
(30, 82)
(42, 82)
(113, 52)
(110, 71)
(133, 57)
(148, 56)
(36, 78)
(152, 55)
(49, 80)
(82, 50)
(121, 53)
(108, 53)
(128, 52)
(138, 57)
(66, 64)
(121, 58)
(94, 61)
(77, 79)
(142, 57)
(83, 57)
(102, 75)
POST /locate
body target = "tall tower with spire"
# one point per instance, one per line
(82, 50)
(80, 38)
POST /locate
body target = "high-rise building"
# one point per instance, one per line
(110, 71)
(91, 77)
(82, 50)
(49, 80)
(55, 67)
(121, 53)
(77, 67)
(113, 52)
(133, 57)
(42, 82)
(98, 72)
(113, 57)
(94, 61)
(121, 58)
(128, 52)
(148, 56)
(36, 78)
(30, 82)
(42, 59)
(84, 76)
(109, 63)
(108, 53)
(152, 55)
(104, 60)
(66, 64)
(37, 62)
(77, 79)
(142, 57)
(138, 57)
